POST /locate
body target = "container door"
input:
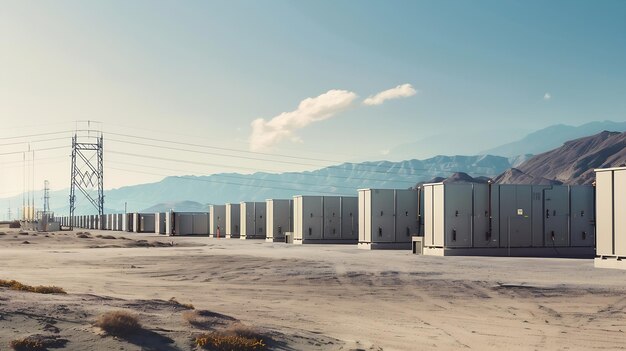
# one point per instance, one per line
(582, 216)
(260, 209)
(383, 221)
(332, 219)
(458, 216)
(349, 218)
(556, 216)
(482, 236)
(312, 217)
(406, 215)
(515, 216)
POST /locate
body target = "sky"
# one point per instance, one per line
(318, 82)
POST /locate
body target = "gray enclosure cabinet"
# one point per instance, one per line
(279, 219)
(325, 219)
(190, 223)
(233, 220)
(508, 219)
(252, 220)
(388, 218)
(217, 215)
(144, 222)
(611, 218)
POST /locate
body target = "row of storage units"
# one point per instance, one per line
(445, 219)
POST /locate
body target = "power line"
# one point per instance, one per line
(341, 166)
(244, 168)
(34, 135)
(203, 137)
(44, 149)
(33, 141)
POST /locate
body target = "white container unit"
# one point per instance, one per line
(233, 220)
(190, 223)
(611, 219)
(502, 220)
(325, 219)
(388, 218)
(279, 219)
(159, 223)
(217, 214)
(253, 218)
(120, 222)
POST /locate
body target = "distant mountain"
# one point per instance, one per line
(342, 179)
(572, 163)
(453, 141)
(553, 137)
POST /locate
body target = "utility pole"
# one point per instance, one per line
(87, 173)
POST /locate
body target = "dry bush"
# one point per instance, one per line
(225, 341)
(184, 305)
(25, 242)
(108, 237)
(37, 342)
(83, 235)
(21, 232)
(27, 344)
(41, 289)
(15, 224)
(119, 323)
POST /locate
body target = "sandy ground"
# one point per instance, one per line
(318, 297)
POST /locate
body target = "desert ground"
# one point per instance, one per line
(317, 297)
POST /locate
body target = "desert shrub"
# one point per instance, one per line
(108, 237)
(119, 323)
(184, 305)
(27, 344)
(3, 233)
(83, 235)
(41, 289)
(37, 342)
(15, 224)
(21, 232)
(226, 341)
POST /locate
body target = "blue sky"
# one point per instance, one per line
(205, 70)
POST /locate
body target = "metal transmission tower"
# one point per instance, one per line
(87, 167)
(46, 197)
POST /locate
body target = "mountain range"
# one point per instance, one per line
(571, 162)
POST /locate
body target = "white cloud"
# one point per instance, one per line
(401, 91)
(547, 96)
(266, 134)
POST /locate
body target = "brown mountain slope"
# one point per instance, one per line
(572, 163)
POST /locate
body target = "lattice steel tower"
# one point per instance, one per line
(87, 167)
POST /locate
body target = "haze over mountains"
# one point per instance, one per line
(553, 137)
(571, 163)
